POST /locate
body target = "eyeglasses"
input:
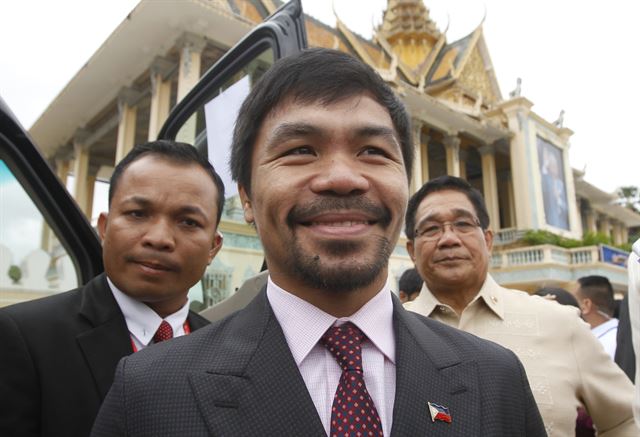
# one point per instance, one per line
(434, 230)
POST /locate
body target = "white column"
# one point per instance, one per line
(517, 112)
(452, 147)
(191, 46)
(616, 234)
(416, 180)
(591, 221)
(62, 169)
(605, 225)
(91, 184)
(425, 159)
(81, 169)
(624, 233)
(127, 100)
(511, 207)
(463, 156)
(188, 76)
(490, 184)
(159, 73)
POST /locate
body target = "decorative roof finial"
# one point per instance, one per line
(516, 92)
(403, 17)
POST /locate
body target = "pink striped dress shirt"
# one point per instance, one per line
(303, 324)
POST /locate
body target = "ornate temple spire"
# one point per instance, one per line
(408, 19)
(409, 34)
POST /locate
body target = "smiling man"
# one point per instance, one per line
(449, 240)
(322, 155)
(58, 355)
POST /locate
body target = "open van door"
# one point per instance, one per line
(46, 243)
(206, 118)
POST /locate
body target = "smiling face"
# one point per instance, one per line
(454, 261)
(328, 194)
(160, 232)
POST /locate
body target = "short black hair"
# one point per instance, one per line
(173, 151)
(410, 281)
(599, 290)
(562, 296)
(441, 184)
(313, 75)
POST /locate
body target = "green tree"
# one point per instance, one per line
(629, 197)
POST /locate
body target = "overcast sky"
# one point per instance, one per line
(576, 56)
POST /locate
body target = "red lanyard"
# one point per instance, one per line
(185, 326)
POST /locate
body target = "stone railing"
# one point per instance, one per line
(544, 254)
(507, 236)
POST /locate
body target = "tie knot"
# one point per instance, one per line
(164, 332)
(344, 342)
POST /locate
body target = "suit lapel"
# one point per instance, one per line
(196, 321)
(253, 385)
(428, 370)
(108, 340)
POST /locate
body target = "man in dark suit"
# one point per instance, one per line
(59, 354)
(322, 154)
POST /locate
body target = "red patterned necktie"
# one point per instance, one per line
(353, 413)
(164, 332)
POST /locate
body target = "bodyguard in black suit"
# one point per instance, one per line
(322, 153)
(58, 354)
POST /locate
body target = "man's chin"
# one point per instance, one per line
(341, 278)
(342, 266)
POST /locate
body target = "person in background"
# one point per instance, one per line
(560, 295)
(409, 285)
(449, 240)
(597, 305)
(58, 354)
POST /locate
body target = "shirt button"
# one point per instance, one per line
(494, 299)
(443, 309)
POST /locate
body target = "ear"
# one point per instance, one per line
(586, 306)
(246, 204)
(102, 225)
(410, 249)
(488, 239)
(215, 246)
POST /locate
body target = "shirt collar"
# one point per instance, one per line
(304, 324)
(604, 327)
(490, 293)
(142, 321)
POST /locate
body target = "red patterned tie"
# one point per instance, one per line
(164, 332)
(353, 413)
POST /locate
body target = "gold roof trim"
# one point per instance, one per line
(388, 75)
(428, 63)
(455, 72)
(396, 61)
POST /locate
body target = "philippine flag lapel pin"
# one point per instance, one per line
(439, 412)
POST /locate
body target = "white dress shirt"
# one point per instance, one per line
(607, 333)
(143, 322)
(304, 324)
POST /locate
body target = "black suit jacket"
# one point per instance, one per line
(57, 360)
(237, 377)
(625, 356)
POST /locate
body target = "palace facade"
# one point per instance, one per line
(463, 125)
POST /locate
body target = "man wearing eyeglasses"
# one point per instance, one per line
(447, 226)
